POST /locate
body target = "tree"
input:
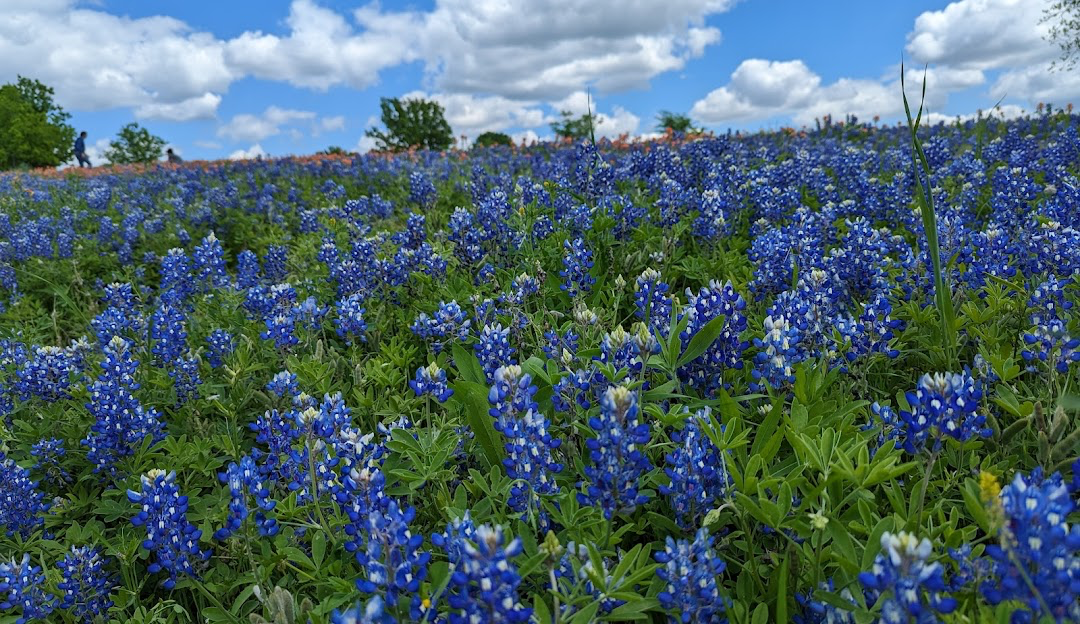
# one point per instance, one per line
(333, 150)
(489, 139)
(575, 128)
(134, 144)
(1064, 19)
(412, 122)
(676, 121)
(33, 129)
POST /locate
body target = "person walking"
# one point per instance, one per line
(173, 157)
(80, 150)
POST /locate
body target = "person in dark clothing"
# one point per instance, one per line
(173, 157)
(80, 150)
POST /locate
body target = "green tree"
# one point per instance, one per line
(33, 129)
(489, 139)
(134, 144)
(1064, 19)
(576, 128)
(676, 121)
(412, 122)
(333, 150)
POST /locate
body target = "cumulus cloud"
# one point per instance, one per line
(274, 120)
(255, 151)
(548, 49)
(982, 34)
(201, 107)
(95, 60)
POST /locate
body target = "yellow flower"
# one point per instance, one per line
(989, 487)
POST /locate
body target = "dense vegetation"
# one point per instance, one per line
(690, 380)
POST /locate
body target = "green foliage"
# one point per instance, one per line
(489, 139)
(33, 129)
(677, 122)
(412, 123)
(134, 144)
(1063, 16)
(581, 128)
(334, 150)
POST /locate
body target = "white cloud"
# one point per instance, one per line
(472, 115)
(332, 124)
(365, 144)
(208, 144)
(201, 107)
(982, 34)
(322, 49)
(255, 151)
(96, 60)
(253, 128)
(1005, 111)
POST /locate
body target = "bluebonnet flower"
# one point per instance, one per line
(778, 353)
(484, 583)
(431, 380)
(557, 344)
(310, 312)
(21, 502)
(210, 262)
(22, 586)
(172, 540)
(652, 301)
(170, 336)
(280, 328)
(617, 454)
(176, 283)
(904, 583)
(186, 381)
(273, 268)
(578, 261)
(529, 461)
(371, 612)
(393, 561)
(1050, 343)
(493, 349)
(689, 570)
(1048, 301)
(449, 323)
(1036, 543)
(284, 384)
(819, 612)
(726, 351)
(49, 453)
(574, 388)
(120, 422)
(421, 190)
(47, 375)
(247, 269)
(87, 584)
(619, 350)
(221, 344)
(309, 221)
(944, 404)
(697, 469)
(577, 570)
(872, 331)
(245, 483)
(459, 532)
(350, 318)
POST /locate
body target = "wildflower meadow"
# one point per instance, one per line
(826, 376)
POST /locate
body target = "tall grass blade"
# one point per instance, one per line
(924, 196)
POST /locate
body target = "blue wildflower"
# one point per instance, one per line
(689, 571)
(698, 471)
(245, 483)
(221, 344)
(904, 584)
(618, 460)
(172, 540)
(484, 584)
(493, 349)
(577, 262)
(431, 380)
(87, 584)
(22, 504)
(22, 586)
(944, 404)
(350, 318)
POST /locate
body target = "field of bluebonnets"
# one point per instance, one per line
(687, 380)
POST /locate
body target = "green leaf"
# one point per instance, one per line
(467, 365)
(761, 614)
(586, 615)
(318, 548)
(702, 340)
(473, 399)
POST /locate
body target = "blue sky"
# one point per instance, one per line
(241, 78)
